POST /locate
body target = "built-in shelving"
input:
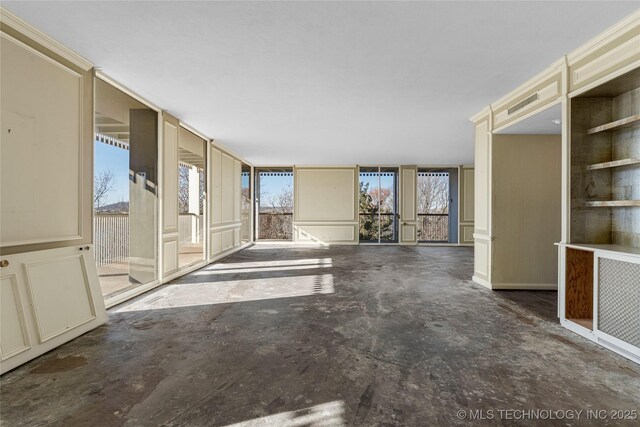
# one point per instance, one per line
(613, 164)
(626, 122)
(613, 203)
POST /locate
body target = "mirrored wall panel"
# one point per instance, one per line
(191, 198)
(125, 190)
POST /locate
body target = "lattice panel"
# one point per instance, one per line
(619, 299)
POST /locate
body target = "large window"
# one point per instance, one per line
(274, 193)
(378, 205)
(125, 190)
(191, 198)
(433, 205)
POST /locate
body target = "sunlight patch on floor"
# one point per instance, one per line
(325, 414)
(237, 282)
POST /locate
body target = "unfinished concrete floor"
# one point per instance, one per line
(293, 336)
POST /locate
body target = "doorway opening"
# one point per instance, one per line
(274, 203)
(437, 205)
(378, 205)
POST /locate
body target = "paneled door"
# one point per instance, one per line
(47, 298)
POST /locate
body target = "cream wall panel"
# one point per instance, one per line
(236, 237)
(216, 243)
(14, 337)
(170, 177)
(481, 181)
(408, 205)
(326, 233)
(48, 298)
(216, 186)
(408, 233)
(408, 188)
(607, 55)
(228, 188)
(42, 147)
(325, 194)
(481, 259)
(468, 196)
(237, 189)
(466, 236)
(526, 214)
(60, 294)
(170, 255)
(227, 240)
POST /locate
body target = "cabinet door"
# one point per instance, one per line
(48, 298)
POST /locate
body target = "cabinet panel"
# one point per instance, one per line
(42, 117)
(48, 298)
(579, 285)
(60, 294)
(14, 337)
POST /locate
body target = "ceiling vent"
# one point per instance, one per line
(520, 105)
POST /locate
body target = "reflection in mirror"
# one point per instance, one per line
(191, 198)
(125, 190)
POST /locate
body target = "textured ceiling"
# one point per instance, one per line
(326, 83)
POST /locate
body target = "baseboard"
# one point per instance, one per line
(481, 282)
(525, 286)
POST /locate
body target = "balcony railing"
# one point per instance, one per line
(275, 226)
(388, 228)
(111, 235)
(433, 227)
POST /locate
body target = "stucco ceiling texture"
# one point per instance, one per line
(326, 83)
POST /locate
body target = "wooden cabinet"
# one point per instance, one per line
(599, 295)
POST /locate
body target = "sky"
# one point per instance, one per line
(116, 159)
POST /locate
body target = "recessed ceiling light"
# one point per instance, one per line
(557, 121)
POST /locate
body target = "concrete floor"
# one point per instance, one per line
(287, 336)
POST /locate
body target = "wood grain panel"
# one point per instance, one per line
(579, 285)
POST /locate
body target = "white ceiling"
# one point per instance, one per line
(546, 122)
(319, 83)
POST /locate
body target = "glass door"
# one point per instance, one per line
(378, 210)
(274, 204)
(433, 205)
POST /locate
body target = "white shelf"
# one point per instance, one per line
(613, 164)
(626, 122)
(613, 203)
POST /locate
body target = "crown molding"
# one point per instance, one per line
(625, 25)
(41, 38)
(486, 111)
(550, 71)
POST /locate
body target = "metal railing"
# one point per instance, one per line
(111, 235)
(275, 226)
(111, 238)
(433, 227)
(387, 230)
